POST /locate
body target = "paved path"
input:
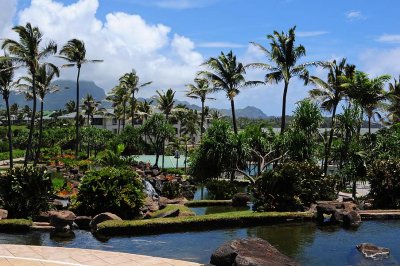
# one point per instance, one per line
(39, 255)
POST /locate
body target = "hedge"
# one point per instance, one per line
(15, 225)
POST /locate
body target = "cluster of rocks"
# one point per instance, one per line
(344, 213)
(3, 214)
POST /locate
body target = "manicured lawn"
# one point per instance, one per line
(15, 225)
(183, 210)
(204, 222)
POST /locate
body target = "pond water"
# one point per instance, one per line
(307, 243)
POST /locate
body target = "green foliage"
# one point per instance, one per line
(116, 190)
(174, 171)
(290, 186)
(95, 138)
(221, 151)
(221, 189)
(387, 143)
(131, 137)
(113, 158)
(183, 210)
(384, 177)
(15, 225)
(16, 154)
(172, 190)
(25, 191)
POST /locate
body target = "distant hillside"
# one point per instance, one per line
(248, 112)
(67, 92)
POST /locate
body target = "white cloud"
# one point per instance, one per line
(176, 4)
(389, 38)
(379, 62)
(220, 45)
(310, 33)
(9, 8)
(354, 15)
(124, 41)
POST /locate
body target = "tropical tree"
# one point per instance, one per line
(393, 96)
(44, 78)
(190, 124)
(284, 55)
(329, 93)
(166, 102)
(90, 107)
(200, 90)
(74, 52)
(6, 79)
(28, 53)
(119, 96)
(131, 81)
(227, 75)
(14, 109)
(70, 106)
(144, 109)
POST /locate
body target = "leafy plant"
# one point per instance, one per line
(25, 191)
(110, 189)
(221, 189)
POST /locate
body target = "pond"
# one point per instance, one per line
(306, 243)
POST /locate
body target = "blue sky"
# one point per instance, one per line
(166, 40)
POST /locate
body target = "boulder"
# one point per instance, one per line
(105, 216)
(249, 251)
(351, 219)
(372, 251)
(83, 222)
(60, 219)
(151, 205)
(240, 199)
(3, 214)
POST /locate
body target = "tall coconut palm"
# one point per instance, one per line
(119, 96)
(6, 79)
(368, 93)
(330, 93)
(90, 107)
(166, 102)
(75, 53)
(393, 96)
(44, 78)
(200, 90)
(283, 54)
(28, 53)
(131, 81)
(227, 75)
(144, 109)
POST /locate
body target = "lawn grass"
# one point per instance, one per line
(183, 210)
(203, 222)
(16, 154)
(207, 203)
(15, 225)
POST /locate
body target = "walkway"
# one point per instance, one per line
(39, 255)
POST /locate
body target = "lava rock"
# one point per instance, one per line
(105, 216)
(249, 251)
(83, 222)
(372, 251)
(60, 219)
(352, 219)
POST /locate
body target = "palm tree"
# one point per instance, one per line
(284, 55)
(119, 96)
(166, 102)
(330, 93)
(44, 78)
(90, 106)
(131, 81)
(29, 53)
(14, 109)
(200, 90)
(368, 93)
(190, 124)
(227, 75)
(6, 78)
(394, 101)
(70, 106)
(144, 109)
(75, 53)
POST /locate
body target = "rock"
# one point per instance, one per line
(240, 199)
(151, 204)
(155, 172)
(371, 251)
(249, 251)
(166, 201)
(105, 216)
(3, 214)
(140, 172)
(83, 222)
(173, 213)
(351, 219)
(58, 204)
(60, 219)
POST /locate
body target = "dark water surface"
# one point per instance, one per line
(307, 243)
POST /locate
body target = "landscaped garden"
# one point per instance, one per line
(75, 176)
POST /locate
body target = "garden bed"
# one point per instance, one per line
(193, 223)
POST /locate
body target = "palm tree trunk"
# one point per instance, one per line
(40, 133)
(283, 118)
(124, 116)
(77, 114)
(133, 107)
(202, 120)
(9, 132)
(32, 124)
(119, 125)
(329, 144)
(234, 117)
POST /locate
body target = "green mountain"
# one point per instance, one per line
(67, 92)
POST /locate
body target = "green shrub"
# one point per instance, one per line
(16, 154)
(172, 190)
(221, 189)
(116, 190)
(174, 171)
(291, 186)
(384, 177)
(25, 191)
